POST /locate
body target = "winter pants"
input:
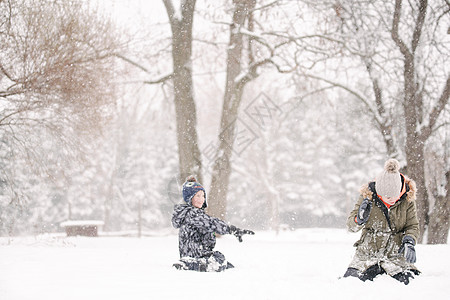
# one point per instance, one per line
(214, 262)
(376, 270)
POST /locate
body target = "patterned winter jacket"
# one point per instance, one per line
(382, 235)
(197, 230)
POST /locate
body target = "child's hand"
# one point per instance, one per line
(364, 212)
(239, 232)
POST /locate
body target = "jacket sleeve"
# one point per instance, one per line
(352, 226)
(412, 222)
(179, 215)
(208, 223)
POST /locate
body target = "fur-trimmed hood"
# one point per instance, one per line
(408, 184)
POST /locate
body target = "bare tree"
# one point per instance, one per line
(54, 63)
(232, 99)
(255, 45)
(413, 105)
(402, 51)
(55, 71)
(181, 21)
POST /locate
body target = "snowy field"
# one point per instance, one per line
(304, 264)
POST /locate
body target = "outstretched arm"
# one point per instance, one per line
(205, 222)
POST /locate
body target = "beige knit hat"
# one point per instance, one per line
(388, 183)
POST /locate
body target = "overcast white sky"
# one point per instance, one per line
(135, 12)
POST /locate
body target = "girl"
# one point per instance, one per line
(386, 213)
(197, 232)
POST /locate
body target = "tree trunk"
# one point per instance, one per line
(415, 144)
(107, 220)
(140, 217)
(232, 99)
(439, 218)
(222, 165)
(188, 151)
(412, 107)
(416, 170)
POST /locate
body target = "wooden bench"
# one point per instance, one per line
(82, 227)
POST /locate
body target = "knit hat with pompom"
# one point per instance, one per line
(190, 188)
(388, 183)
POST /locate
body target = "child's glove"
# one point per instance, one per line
(408, 249)
(363, 212)
(237, 232)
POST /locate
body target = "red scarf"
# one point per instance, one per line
(389, 204)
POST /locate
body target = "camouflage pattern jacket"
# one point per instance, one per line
(197, 231)
(382, 234)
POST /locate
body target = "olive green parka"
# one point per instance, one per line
(382, 234)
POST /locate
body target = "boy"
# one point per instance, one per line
(197, 232)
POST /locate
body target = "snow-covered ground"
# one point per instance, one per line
(304, 264)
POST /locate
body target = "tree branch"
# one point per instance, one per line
(352, 92)
(3, 70)
(160, 80)
(394, 31)
(5, 94)
(419, 24)
(170, 10)
(437, 109)
(19, 111)
(131, 62)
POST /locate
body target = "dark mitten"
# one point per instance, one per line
(407, 249)
(237, 232)
(404, 277)
(364, 211)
